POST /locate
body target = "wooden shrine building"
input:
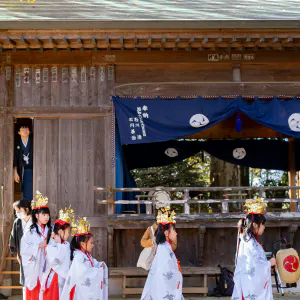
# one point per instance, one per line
(60, 76)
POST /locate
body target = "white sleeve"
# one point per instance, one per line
(29, 247)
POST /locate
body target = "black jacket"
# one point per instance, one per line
(15, 243)
(18, 157)
(15, 236)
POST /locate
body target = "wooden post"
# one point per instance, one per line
(186, 205)
(123, 286)
(292, 231)
(110, 231)
(292, 171)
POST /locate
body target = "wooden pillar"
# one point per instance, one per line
(292, 171)
(292, 231)
(110, 244)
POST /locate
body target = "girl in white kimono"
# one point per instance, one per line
(252, 277)
(58, 256)
(164, 281)
(87, 278)
(33, 247)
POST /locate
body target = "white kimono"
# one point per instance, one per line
(252, 276)
(87, 277)
(58, 261)
(164, 281)
(33, 257)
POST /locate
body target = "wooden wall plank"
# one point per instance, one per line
(101, 164)
(83, 86)
(18, 86)
(74, 86)
(6, 85)
(100, 241)
(102, 84)
(65, 163)
(45, 86)
(65, 87)
(259, 72)
(88, 146)
(36, 86)
(111, 81)
(2, 120)
(26, 84)
(40, 156)
(93, 86)
(52, 164)
(45, 178)
(76, 178)
(2, 86)
(55, 84)
(9, 85)
(8, 145)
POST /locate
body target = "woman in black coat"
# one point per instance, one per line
(20, 226)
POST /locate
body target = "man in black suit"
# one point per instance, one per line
(23, 162)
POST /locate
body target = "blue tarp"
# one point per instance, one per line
(148, 121)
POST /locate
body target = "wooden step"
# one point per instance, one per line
(10, 258)
(2, 287)
(10, 272)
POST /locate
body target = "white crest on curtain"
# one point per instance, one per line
(239, 153)
(199, 120)
(171, 152)
(294, 122)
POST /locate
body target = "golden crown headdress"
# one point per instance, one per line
(256, 205)
(67, 216)
(81, 227)
(40, 201)
(166, 216)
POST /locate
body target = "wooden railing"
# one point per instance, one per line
(231, 195)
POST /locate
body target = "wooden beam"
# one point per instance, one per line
(22, 40)
(53, 42)
(144, 57)
(99, 111)
(67, 42)
(10, 41)
(292, 170)
(149, 89)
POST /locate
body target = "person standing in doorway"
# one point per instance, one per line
(23, 162)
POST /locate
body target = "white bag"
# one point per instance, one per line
(146, 257)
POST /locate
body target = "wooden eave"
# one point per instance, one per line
(151, 39)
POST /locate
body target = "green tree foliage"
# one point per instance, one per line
(193, 171)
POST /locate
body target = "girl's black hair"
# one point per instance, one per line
(247, 226)
(25, 204)
(57, 227)
(75, 243)
(160, 237)
(43, 210)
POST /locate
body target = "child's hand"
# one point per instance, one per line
(102, 266)
(43, 244)
(272, 261)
